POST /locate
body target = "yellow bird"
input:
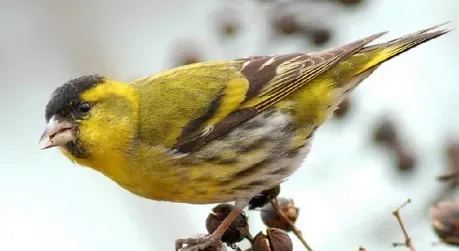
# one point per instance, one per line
(211, 132)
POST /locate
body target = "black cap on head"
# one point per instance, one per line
(67, 97)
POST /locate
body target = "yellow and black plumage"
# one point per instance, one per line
(214, 131)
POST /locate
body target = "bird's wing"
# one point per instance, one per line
(250, 85)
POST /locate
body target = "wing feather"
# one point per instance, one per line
(267, 80)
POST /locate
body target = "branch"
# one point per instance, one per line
(299, 235)
(448, 177)
(361, 248)
(407, 242)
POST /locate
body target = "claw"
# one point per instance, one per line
(199, 244)
(214, 239)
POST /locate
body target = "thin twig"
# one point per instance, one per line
(249, 237)
(448, 177)
(299, 235)
(408, 243)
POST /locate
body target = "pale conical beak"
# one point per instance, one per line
(58, 133)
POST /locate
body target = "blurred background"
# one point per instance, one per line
(354, 177)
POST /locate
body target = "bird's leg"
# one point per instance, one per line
(214, 239)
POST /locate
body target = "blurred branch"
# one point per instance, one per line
(299, 235)
(448, 177)
(408, 243)
(362, 248)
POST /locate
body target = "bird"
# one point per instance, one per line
(215, 131)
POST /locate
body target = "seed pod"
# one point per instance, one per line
(271, 219)
(406, 161)
(186, 51)
(444, 216)
(229, 29)
(452, 153)
(228, 21)
(279, 240)
(286, 24)
(320, 36)
(189, 58)
(264, 197)
(385, 133)
(237, 231)
(260, 243)
(343, 108)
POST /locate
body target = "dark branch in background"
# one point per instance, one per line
(408, 243)
(387, 135)
(451, 177)
(448, 177)
(275, 204)
(452, 155)
(362, 248)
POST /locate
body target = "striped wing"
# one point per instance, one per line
(270, 79)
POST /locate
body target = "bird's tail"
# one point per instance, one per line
(380, 53)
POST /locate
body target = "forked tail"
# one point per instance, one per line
(380, 53)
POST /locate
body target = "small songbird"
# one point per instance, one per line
(211, 132)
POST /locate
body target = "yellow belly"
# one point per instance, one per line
(254, 157)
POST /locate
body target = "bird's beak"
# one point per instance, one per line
(58, 133)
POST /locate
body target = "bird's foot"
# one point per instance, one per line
(199, 243)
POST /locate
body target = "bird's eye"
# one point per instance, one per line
(84, 107)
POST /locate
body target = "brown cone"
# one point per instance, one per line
(237, 231)
(444, 216)
(279, 240)
(271, 219)
(260, 243)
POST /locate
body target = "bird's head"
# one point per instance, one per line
(90, 116)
